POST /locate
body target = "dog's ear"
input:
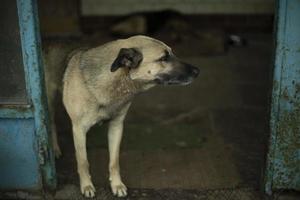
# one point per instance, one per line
(127, 57)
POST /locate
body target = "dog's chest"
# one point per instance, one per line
(117, 95)
(114, 106)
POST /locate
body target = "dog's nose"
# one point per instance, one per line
(195, 71)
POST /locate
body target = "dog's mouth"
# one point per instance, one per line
(182, 75)
(167, 80)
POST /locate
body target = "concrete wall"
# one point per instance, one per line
(59, 17)
(122, 7)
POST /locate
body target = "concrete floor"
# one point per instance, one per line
(209, 135)
(203, 141)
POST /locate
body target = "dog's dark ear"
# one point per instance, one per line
(127, 57)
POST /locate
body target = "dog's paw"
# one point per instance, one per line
(57, 151)
(119, 189)
(88, 191)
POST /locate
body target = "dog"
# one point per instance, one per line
(99, 85)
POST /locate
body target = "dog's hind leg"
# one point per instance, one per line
(51, 94)
(115, 132)
(55, 144)
(79, 135)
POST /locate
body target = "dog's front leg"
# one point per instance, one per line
(86, 185)
(115, 132)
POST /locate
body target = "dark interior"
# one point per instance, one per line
(178, 140)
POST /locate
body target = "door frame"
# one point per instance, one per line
(32, 59)
(283, 157)
(36, 107)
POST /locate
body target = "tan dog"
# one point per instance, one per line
(99, 84)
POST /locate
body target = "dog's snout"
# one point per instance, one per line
(195, 71)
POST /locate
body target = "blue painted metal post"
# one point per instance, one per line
(26, 161)
(19, 165)
(283, 162)
(31, 46)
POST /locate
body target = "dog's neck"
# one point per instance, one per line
(124, 86)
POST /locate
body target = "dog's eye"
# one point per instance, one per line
(165, 58)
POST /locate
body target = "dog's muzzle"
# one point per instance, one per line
(180, 76)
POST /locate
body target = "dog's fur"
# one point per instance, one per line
(99, 84)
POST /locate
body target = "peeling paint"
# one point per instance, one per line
(31, 49)
(283, 162)
(287, 150)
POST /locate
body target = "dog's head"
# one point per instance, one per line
(152, 61)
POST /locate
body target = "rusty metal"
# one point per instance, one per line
(283, 163)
